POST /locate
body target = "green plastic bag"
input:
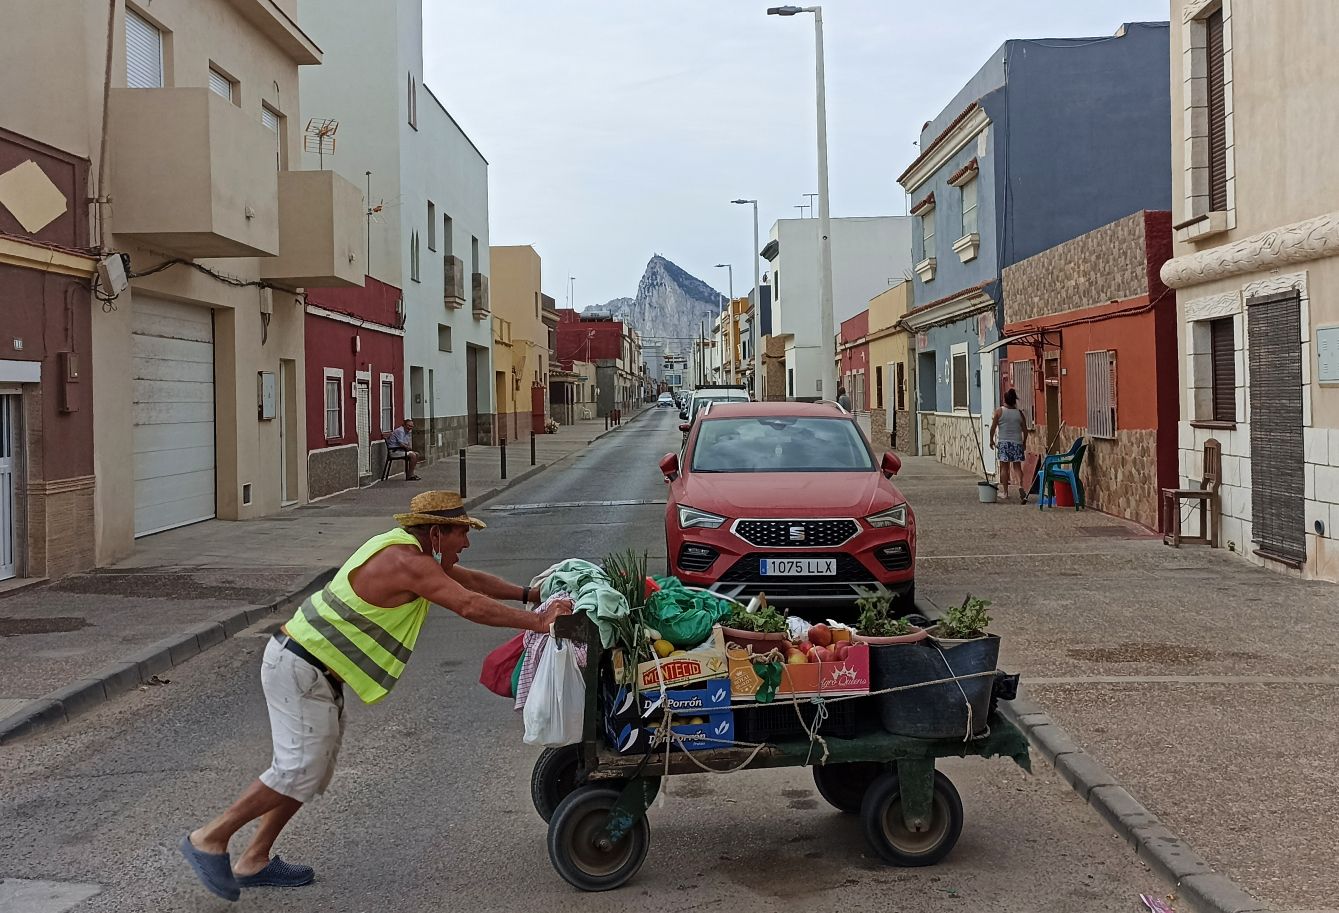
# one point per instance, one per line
(684, 617)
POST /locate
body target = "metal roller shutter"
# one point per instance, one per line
(1278, 489)
(1217, 91)
(172, 347)
(144, 53)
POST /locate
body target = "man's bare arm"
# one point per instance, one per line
(487, 584)
(425, 578)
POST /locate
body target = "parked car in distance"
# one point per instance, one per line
(666, 401)
(710, 393)
(790, 500)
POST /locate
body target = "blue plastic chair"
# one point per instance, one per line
(1065, 467)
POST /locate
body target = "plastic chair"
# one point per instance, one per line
(393, 453)
(1064, 467)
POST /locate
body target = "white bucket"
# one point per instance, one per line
(986, 492)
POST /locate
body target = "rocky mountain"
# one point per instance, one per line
(670, 306)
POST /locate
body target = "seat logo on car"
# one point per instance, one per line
(797, 534)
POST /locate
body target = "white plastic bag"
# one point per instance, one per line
(555, 710)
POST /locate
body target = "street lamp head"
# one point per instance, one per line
(722, 265)
(784, 10)
(744, 202)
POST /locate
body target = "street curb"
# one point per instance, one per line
(142, 665)
(1195, 882)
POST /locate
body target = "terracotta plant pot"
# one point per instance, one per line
(759, 643)
(917, 634)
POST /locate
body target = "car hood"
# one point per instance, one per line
(790, 494)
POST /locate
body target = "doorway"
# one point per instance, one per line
(9, 454)
(1278, 481)
(472, 433)
(1051, 370)
(500, 396)
(362, 411)
(288, 431)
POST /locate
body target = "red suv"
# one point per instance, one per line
(789, 499)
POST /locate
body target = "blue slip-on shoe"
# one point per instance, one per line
(213, 869)
(279, 874)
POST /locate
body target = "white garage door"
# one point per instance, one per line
(172, 347)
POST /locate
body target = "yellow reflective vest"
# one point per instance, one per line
(364, 644)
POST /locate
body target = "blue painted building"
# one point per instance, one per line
(1050, 139)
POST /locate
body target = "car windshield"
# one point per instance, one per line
(780, 444)
(700, 401)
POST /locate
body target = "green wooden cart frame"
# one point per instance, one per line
(595, 799)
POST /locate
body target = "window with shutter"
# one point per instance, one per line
(1101, 378)
(334, 411)
(387, 403)
(878, 386)
(272, 120)
(928, 233)
(221, 85)
(432, 226)
(1217, 92)
(901, 372)
(969, 208)
(144, 53)
(958, 379)
(1025, 387)
(1223, 355)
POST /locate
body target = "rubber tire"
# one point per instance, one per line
(572, 817)
(883, 801)
(843, 786)
(554, 778)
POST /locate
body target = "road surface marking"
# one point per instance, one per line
(550, 505)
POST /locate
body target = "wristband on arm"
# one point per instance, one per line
(525, 595)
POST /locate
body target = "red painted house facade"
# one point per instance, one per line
(1092, 353)
(355, 360)
(854, 358)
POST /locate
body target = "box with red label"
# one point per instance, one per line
(829, 679)
(699, 664)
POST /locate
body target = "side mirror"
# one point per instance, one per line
(669, 466)
(685, 427)
(891, 464)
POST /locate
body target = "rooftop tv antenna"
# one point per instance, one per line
(319, 137)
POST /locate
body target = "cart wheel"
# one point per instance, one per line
(581, 855)
(557, 773)
(888, 833)
(844, 785)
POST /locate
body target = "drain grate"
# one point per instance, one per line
(58, 624)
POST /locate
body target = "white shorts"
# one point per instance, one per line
(306, 724)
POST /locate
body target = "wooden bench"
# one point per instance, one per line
(1206, 496)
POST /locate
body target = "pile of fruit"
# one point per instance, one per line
(823, 644)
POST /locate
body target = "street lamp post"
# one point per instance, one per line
(828, 378)
(727, 328)
(756, 322)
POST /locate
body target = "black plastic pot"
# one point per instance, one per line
(934, 711)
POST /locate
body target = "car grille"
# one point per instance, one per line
(696, 558)
(777, 533)
(894, 557)
(849, 570)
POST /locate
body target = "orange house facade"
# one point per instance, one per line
(1090, 332)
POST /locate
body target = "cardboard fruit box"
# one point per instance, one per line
(713, 694)
(841, 677)
(705, 662)
(717, 730)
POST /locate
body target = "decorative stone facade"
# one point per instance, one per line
(56, 514)
(904, 431)
(952, 439)
(332, 470)
(1106, 264)
(774, 369)
(1119, 475)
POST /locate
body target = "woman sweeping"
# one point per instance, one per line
(1009, 427)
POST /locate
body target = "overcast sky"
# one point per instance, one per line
(616, 129)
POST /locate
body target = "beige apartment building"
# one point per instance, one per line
(1256, 270)
(198, 405)
(520, 341)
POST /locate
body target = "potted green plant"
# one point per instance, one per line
(957, 646)
(758, 626)
(878, 624)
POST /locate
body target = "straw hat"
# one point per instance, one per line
(430, 508)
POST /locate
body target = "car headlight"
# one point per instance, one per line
(893, 516)
(692, 518)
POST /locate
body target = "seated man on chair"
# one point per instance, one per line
(402, 438)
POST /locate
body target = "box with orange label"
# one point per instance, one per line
(678, 669)
(849, 675)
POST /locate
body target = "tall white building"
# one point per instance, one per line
(428, 230)
(868, 255)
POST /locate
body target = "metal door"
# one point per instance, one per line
(472, 433)
(362, 408)
(1278, 487)
(9, 408)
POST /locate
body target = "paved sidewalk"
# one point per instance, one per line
(74, 643)
(1205, 686)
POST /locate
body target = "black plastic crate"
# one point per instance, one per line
(777, 721)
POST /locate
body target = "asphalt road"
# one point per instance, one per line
(430, 807)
